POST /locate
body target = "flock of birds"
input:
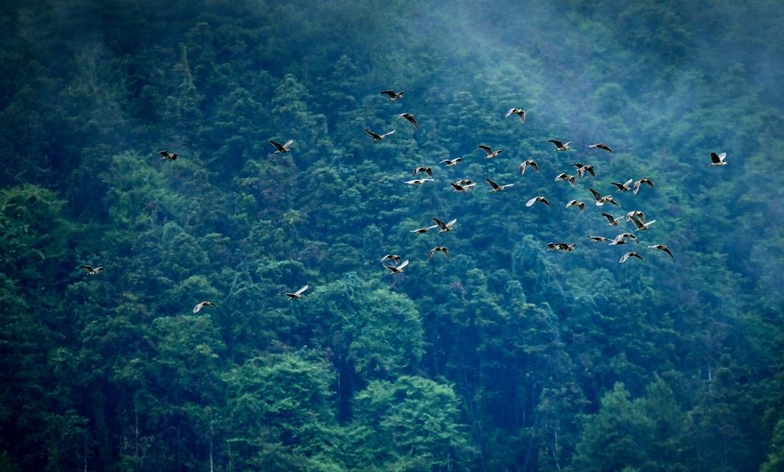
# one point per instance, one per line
(395, 264)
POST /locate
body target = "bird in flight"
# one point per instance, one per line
(662, 248)
(377, 137)
(418, 181)
(612, 221)
(410, 118)
(576, 203)
(624, 187)
(529, 162)
(392, 95)
(451, 162)
(641, 226)
(495, 187)
(629, 254)
(538, 198)
(718, 159)
(566, 177)
(424, 230)
(391, 257)
(441, 249)
(91, 270)
(201, 305)
(637, 184)
(165, 155)
(489, 153)
(426, 170)
(601, 146)
(563, 247)
(516, 111)
(398, 269)
(296, 295)
(444, 226)
(281, 148)
(560, 146)
(583, 169)
(463, 185)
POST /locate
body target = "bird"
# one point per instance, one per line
(392, 94)
(516, 111)
(165, 155)
(425, 169)
(637, 184)
(576, 203)
(201, 305)
(462, 185)
(281, 147)
(410, 118)
(377, 137)
(564, 247)
(418, 181)
(601, 200)
(582, 169)
(495, 187)
(297, 294)
(566, 177)
(718, 159)
(489, 151)
(629, 254)
(391, 257)
(451, 162)
(436, 249)
(624, 187)
(641, 226)
(621, 239)
(637, 214)
(538, 198)
(598, 239)
(398, 269)
(601, 146)
(424, 230)
(526, 163)
(444, 226)
(612, 221)
(661, 247)
(91, 270)
(559, 146)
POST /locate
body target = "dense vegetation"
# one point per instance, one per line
(504, 356)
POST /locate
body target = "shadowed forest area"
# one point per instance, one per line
(503, 356)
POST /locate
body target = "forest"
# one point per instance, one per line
(489, 350)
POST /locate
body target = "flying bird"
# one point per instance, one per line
(637, 214)
(418, 181)
(526, 163)
(583, 169)
(462, 185)
(662, 248)
(621, 239)
(600, 146)
(637, 184)
(624, 187)
(559, 146)
(539, 198)
(165, 155)
(91, 270)
(566, 177)
(391, 257)
(516, 111)
(392, 95)
(640, 225)
(398, 269)
(444, 226)
(629, 254)
(495, 187)
(377, 137)
(489, 153)
(576, 203)
(201, 305)
(297, 294)
(410, 118)
(426, 170)
(718, 159)
(601, 200)
(612, 221)
(281, 147)
(442, 249)
(451, 162)
(598, 239)
(563, 247)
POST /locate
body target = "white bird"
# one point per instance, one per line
(462, 185)
(451, 162)
(559, 146)
(538, 198)
(576, 203)
(419, 181)
(662, 248)
(410, 118)
(566, 177)
(201, 305)
(624, 187)
(391, 257)
(496, 187)
(600, 146)
(424, 230)
(718, 159)
(281, 148)
(612, 221)
(637, 184)
(91, 270)
(526, 163)
(392, 95)
(444, 226)
(640, 225)
(397, 269)
(297, 294)
(442, 249)
(601, 200)
(377, 137)
(564, 247)
(516, 111)
(629, 254)
(489, 153)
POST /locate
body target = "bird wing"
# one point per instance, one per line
(439, 223)
(371, 134)
(598, 196)
(485, 148)
(300, 291)
(493, 184)
(402, 265)
(556, 142)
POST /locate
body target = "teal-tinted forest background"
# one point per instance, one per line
(504, 356)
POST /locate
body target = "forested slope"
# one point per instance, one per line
(502, 356)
